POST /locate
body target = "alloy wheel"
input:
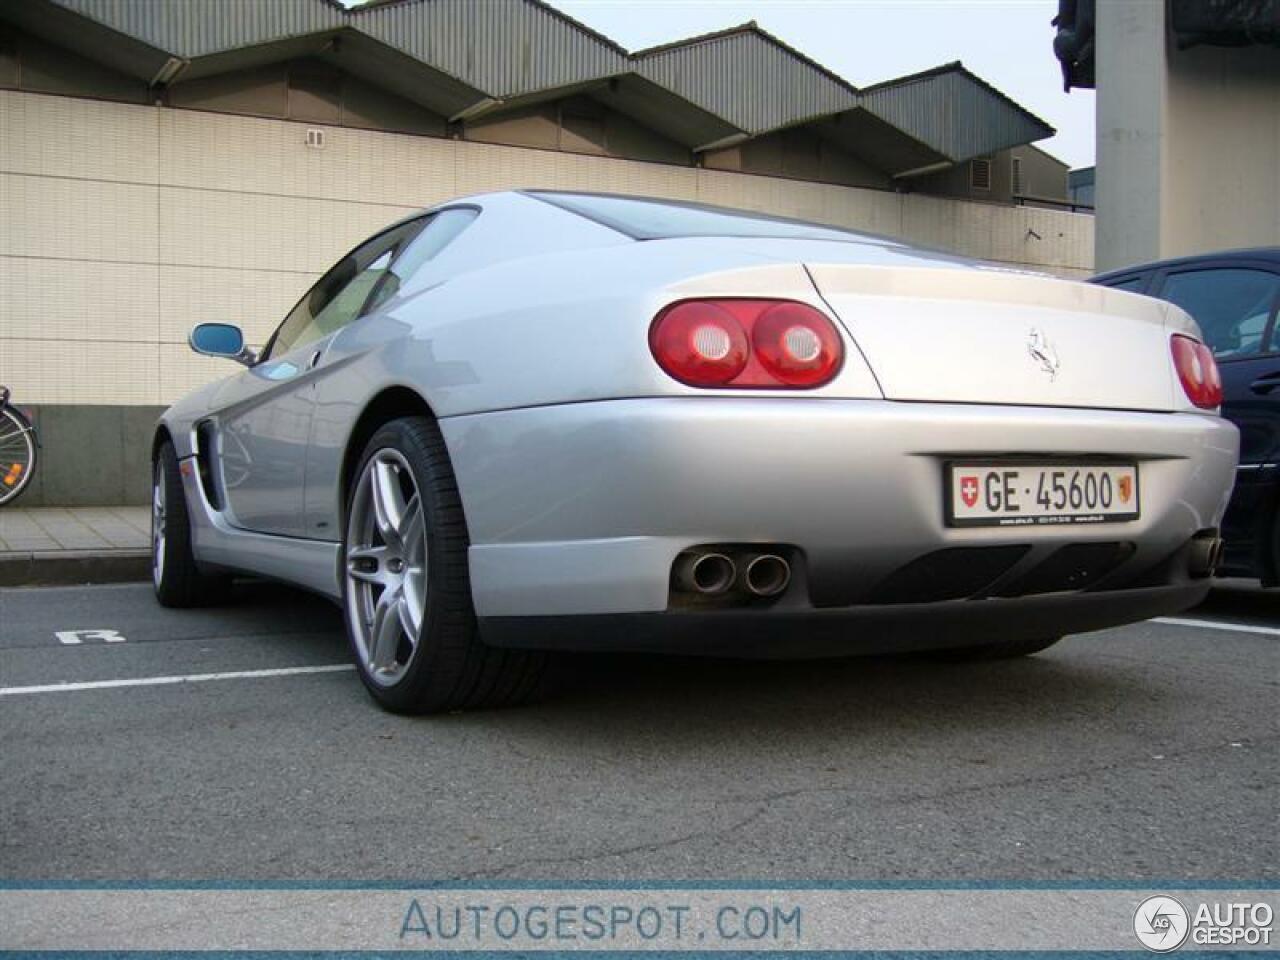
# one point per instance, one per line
(157, 524)
(386, 567)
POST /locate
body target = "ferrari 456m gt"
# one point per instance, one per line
(532, 420)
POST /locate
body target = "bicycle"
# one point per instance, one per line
(17, 450)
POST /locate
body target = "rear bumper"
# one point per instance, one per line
(581, 509)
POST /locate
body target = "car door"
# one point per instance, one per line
(264, 414)
(1235, 305)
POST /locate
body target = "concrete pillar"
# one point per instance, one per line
(1188, 141)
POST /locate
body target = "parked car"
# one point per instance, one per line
(536, 420)
(1234, 297)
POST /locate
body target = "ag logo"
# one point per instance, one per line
(1126, 489)
(1161, 923)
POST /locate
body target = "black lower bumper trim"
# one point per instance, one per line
(789, 633)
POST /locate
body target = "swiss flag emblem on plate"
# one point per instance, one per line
(969, 490)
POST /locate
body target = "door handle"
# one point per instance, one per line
(1266, 383)
(315, 358)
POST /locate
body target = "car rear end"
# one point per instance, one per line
(832, 456)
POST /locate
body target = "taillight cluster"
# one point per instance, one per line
(1198, 371)
(746, 343)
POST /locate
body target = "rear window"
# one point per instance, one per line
(1128, 284)
(661, 219)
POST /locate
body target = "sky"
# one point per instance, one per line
(1009, 43)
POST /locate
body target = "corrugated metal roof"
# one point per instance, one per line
(191, 29)
(747, 76)
(651, 105)
(501, 46)
(504, 47)
(954, 111)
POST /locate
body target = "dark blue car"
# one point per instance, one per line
(1234, 297)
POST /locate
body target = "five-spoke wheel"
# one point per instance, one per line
(406, 585)
(386, 557)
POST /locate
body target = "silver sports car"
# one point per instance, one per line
(535, 420)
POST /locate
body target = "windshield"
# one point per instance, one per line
(644, 219)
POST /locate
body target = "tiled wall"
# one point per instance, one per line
(121, 226)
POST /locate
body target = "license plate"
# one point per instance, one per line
(1015, 495)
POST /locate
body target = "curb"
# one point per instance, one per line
(73, 567)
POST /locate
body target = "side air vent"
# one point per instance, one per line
(204, 458)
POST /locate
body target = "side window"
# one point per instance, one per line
(440, 231)
(1232, 305)
(340, 295)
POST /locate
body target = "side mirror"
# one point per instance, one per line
(221, 340)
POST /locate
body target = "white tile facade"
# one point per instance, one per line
(121, 226)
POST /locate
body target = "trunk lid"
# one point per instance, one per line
(988, 335)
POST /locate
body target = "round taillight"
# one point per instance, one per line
(1198, 371)
(796, 344)
(746, 343)
(699, 343)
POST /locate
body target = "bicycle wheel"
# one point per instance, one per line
(17, 454)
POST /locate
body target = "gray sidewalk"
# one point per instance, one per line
(48, 545)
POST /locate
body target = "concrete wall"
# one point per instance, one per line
(801, 154)
(1043, 176)
(578, 124)
(1188, 141)
(309, 90)
(95, 455)
(1222, 150)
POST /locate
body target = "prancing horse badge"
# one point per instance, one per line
(1042, 352)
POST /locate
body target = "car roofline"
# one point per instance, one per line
(1267, 254)
(854, 236)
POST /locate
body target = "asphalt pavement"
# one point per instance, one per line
(1149, 752)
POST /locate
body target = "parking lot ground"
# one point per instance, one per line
(1147, 752)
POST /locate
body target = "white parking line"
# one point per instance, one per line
(161, 681)
(1217, 625)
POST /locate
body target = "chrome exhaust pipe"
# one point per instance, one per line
(765, 574)
(1204, 556)
(705, 573)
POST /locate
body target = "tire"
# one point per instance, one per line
(177, 579)
(405, 572)
(1004, 650)
(18, 451)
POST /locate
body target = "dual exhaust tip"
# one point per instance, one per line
(1205, 556)
(709, 573)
